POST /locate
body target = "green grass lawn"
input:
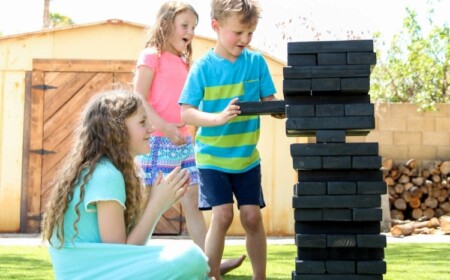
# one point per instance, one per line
(405, 261)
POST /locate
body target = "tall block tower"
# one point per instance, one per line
(337, 199)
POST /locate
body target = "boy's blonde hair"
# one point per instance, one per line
(159, 34)
(101, 133)
(249, 10)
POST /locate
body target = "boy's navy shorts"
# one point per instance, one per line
(217, 188)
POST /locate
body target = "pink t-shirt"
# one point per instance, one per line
(170, 72)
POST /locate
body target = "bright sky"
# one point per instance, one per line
(332, 18)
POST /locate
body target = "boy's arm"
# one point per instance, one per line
(269, 98)
(193, 116)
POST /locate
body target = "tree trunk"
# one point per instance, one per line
(46, 18)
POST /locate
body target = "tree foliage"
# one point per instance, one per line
(415, 68)
(58, 20)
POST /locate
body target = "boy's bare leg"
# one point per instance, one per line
(256, 242)
(221, 219)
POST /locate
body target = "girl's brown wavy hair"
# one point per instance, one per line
(101, 132)
(159, 33)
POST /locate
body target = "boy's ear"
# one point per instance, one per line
(215, 25)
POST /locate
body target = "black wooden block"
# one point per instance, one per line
(310, 188)
(340, 175)
(308, 215)
(329, 98)
(340, 267)
(326, 84)
(364, 109)
(297, 86)
(295, 276)
(365, 187)
(336, 162)
(309, 267)
(336, 201)
(299, 111)
(324, 123)
(337, 215)
(332, 227)
(366, 162)
(362, 58)
(262, 107)
(341, 187)
(371, 267)
(302, 59)
(330, 46)
(307, 162)
(312, 133)
(367, 214)
(330, 136)
(328, 58)
(332, 71)
(341, 240)
(334, 149)
(356, 254)
(371, 241)
(311, 240)
(355, 85)
(330, 110)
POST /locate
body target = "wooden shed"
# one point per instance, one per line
(45, 79)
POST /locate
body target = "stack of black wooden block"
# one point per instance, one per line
(337, 200)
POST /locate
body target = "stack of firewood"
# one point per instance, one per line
(417, 192)
(421, 226)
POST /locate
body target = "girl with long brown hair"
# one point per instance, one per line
(99, 213)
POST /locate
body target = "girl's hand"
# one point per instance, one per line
(166, 191)
(230, 112)
(172, 132)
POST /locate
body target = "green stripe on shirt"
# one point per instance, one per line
(223, 92)
(226, 141)
(233, 164)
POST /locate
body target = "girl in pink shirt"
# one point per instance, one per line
(161, 71)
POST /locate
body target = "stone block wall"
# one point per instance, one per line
(403, 133)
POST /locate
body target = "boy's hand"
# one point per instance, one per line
(279, 116)
(230, 112)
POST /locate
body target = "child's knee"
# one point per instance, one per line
(223, 218)
(251, 220)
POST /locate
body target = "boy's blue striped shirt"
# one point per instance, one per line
(211, 84)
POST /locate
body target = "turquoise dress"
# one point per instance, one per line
(86, 257)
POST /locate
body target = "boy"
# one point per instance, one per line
(226, 153)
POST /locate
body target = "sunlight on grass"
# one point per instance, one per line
(404, 262)
(410, 261)
(25, 262)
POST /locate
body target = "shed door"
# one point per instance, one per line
(59, 91)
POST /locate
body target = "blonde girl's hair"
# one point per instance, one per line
(101, 133)
(162, 29)
(249, 10)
